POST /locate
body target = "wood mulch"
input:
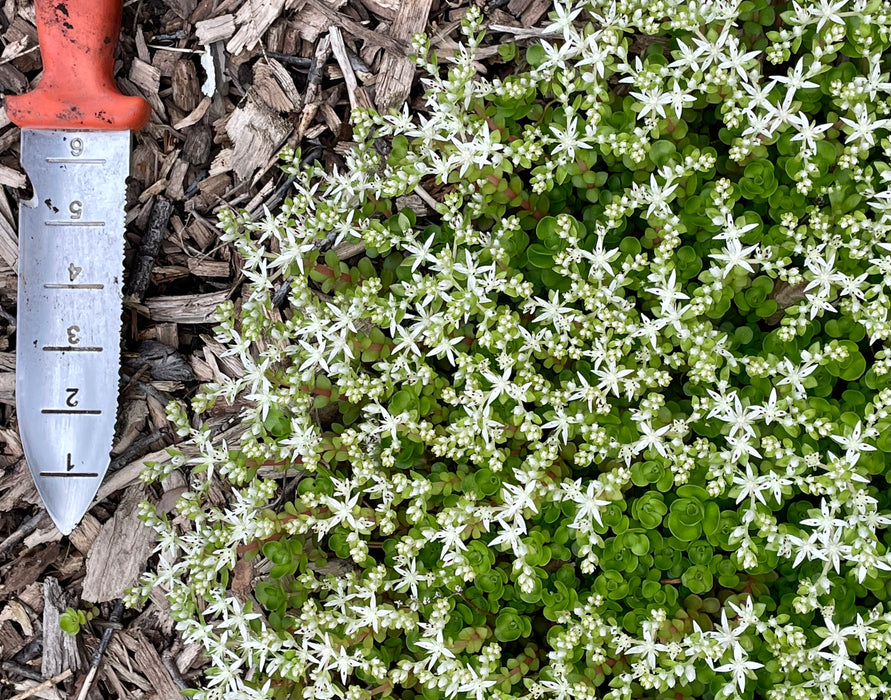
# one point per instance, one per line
(230, 82)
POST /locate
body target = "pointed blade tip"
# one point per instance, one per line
(65, 525)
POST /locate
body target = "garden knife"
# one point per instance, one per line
(75, 148)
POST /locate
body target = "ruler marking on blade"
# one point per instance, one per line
(70, 348)
(74, 286)
(75, 223)
(69, 475)
(74, 411)
(84, 161)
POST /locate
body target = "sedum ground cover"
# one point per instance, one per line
(609, 421)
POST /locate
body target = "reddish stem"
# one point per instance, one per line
(328, 272)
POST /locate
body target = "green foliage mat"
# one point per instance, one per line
(610, 416)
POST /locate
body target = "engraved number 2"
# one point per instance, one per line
(72, 392)
(74, 334)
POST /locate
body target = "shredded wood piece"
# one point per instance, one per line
(215, 29)
(12, 178)
(397, 69)
(253, 19)
(60, 650)
(119, 553)
(257, 132)
(190, 308)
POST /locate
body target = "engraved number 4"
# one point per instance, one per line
(73, 271)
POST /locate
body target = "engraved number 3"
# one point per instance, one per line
(74, 334)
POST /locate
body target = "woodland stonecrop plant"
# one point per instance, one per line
(603, 414)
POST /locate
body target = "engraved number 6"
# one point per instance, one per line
(77, 147)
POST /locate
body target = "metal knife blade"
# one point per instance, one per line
(69, 320)
(76, 128)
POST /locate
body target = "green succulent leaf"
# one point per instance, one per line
(649, 509)
(698, 579)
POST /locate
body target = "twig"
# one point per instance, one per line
(276, 197)
(520, 32)
(298, 61)
(281, 294)
(287, 490)
(135, 377)
(148, 249)
(313, 85)
(140, 447)
(114, 622)
(30, 692)
(21, 670)
(172, 669)
(25, 529)
(147, 389)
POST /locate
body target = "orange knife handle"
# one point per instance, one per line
(77, 91)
